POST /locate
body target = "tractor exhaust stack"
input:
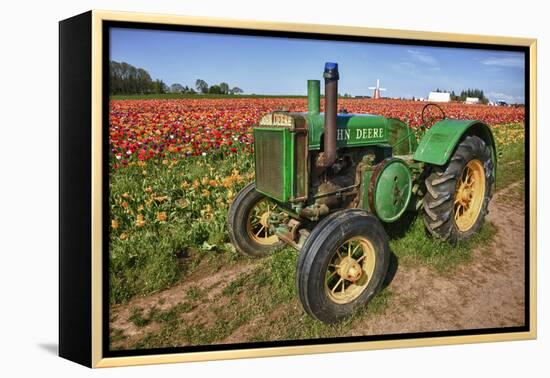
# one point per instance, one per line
(313, 96)
(328, 156)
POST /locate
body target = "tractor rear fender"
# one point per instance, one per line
(439, 142)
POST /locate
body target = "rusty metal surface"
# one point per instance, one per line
(285, 237)
(328, 156)
(291, 237)
(366, 164)
(301, 160)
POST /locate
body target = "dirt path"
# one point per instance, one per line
(484, 293)
(212, 284)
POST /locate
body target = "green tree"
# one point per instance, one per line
(224, 87)
(177, 88)
(201, 86)
(236, 90)
(160, 87)
(127, 79)
(474, 93)
(215, 89)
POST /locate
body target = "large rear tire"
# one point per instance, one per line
(247, 223)
(459, 192)
(342, 264)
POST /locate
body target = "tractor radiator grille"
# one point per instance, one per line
(269, 150)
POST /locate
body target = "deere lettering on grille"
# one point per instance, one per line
(269, 162)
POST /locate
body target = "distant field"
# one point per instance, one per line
(143, 129)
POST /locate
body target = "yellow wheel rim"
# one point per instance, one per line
(350, 270)
(469, 195)
(257, 224)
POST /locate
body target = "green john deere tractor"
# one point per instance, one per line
(325, 183)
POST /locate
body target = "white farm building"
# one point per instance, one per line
(472, 100)
(439, 97)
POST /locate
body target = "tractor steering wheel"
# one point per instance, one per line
(428, 121)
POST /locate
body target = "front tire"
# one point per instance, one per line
(342, 265)
(247, 223)
(458, 193)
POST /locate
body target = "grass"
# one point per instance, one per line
(172, 314)
(193, 237)
(138, 318)
(515, 195)
(415, 247)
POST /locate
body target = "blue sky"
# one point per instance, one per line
(266, 65)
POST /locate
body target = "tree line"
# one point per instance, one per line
(467, 93)
(221, 88)
(125, 79)
(470, 93)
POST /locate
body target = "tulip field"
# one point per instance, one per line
(176, 164)
(145, 129)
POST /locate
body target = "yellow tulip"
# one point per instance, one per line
(140, 221)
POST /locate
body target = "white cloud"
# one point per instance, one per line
(513, 62)
(499, 96)
(422, 57)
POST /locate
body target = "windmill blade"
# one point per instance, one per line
(372, 87)
(381, 89)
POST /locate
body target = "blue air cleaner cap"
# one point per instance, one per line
(331, 71)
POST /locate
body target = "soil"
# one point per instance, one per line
(213, 284)
(487, 292)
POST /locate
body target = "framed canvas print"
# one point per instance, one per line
(234, 189)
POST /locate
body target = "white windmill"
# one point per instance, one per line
(377, 89)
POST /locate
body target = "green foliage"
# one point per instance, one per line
(144, 263)
(215, 89)
(470, 93)
(194, 293)
(178, 88)
(235, 90)
(201, 86)
(224, 88)
(159, 87)
(138, 318)
(278, 276)
(163, 210)
(127, 79)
